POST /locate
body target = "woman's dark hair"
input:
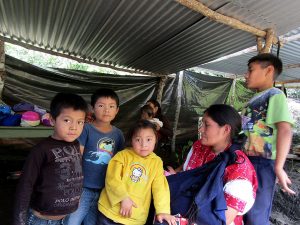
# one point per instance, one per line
(141, 124)
(67, 100)
(224, 114)
(148, 110)
(156, 104)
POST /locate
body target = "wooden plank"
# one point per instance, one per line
(25, 132)
(287, 81)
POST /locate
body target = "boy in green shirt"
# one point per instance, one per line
(267, 125)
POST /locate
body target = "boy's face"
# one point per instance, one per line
(68, 125)
(258, 77)
(105, 109)
(143, 142)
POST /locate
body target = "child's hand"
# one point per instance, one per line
(157, 126)
(167, 217)
(126, 207)
(171, 170)
(284, 181)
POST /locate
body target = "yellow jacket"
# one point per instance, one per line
(130, 175)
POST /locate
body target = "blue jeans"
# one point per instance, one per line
(34, 220)
(103, 220)
(259, 214)
(88, 208)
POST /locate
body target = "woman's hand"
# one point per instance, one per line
(167, 217)
(126, 207)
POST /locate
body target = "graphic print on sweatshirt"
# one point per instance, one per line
(137, 173)
(68, 173)
(105, 150)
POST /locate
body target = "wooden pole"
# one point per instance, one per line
(178, 108)
(288, 81)
(2, 66)
(259, 42)
(234, 23)
(161, 86)
(291, 66)
(268, 41)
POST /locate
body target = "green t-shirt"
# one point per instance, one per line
(260, 116)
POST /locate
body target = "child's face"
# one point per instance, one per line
(68, 125)
(257, 76)
(143, 142)
(212, 134)
(145, 116)
(154, 108)
(105, 109)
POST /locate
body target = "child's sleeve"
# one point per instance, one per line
(25, 187)
(161, 191)
(114, 187)
(83, 136)
(122, 142)
(278, 110)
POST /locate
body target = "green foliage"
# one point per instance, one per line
(46, 60)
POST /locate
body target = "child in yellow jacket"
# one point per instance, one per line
(132, 175)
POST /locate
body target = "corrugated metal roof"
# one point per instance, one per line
(237, 65)
(159, 36)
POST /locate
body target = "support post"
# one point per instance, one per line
(268, 41)
(161, 86)
(178, 107)
(259, 43)
(2, 66)
(232, 97)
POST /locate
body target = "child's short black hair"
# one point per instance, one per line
(141, 124)
(66, 100)
(148, 110)
(267, 59)
(104, 92)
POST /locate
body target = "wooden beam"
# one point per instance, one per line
(288, 81)
(291, 66)
(80, 60)
(234, 23)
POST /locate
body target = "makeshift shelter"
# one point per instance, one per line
(160, 38)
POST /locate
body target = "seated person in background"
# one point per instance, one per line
(220, 127)
(148, 114)
(133, 175)
(165, 132)
(51, 184)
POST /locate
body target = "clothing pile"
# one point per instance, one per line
(23, 114)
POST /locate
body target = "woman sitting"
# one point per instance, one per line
(221, 125)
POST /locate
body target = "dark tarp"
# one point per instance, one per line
(25, 82)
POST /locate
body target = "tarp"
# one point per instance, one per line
(187, 97)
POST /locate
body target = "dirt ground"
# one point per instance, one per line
(286, 208)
